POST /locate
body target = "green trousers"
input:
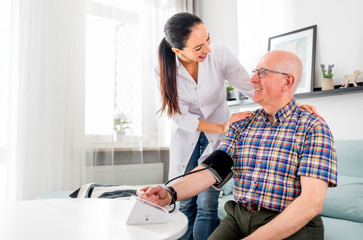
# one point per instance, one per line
(240, 223)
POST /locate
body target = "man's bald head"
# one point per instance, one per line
(287, 62)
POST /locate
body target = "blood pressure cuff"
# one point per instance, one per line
(220, 164)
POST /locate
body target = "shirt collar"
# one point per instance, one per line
(284, 112)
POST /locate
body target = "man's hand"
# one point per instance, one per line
(157, 195)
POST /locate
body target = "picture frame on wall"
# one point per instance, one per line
(302, 42)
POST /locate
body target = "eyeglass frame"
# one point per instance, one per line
(264, 72)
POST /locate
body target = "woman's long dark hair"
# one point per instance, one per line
(177, 30)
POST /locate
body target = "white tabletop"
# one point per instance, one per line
(80, 219)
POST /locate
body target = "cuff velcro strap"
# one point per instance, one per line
(220, 164)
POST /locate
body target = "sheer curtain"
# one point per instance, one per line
(130, 90)
(43, 143)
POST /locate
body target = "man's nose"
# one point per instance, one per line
(254, 78)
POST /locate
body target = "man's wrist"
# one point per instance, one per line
(173, 194)
(169, 196)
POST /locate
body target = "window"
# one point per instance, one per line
(113, 77)
(122, 38)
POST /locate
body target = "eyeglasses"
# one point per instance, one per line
(262, 72)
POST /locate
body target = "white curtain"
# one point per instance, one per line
(148, 134)
(43, 142)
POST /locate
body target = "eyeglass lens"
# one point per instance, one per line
(260, 72)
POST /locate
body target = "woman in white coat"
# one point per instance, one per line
(192, 83)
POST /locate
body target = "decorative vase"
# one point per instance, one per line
(118, 135)
(327, 84)
(231, 95)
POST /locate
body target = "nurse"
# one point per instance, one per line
(192, 74)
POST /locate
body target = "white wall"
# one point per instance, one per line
(339, 41)
(339, 30)
(221, 24)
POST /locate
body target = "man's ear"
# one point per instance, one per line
(289, 83)
(175, 50)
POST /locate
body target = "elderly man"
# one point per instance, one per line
(283, 162)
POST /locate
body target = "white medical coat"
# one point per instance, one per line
(204, 100)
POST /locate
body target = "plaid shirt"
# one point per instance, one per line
(270, 158)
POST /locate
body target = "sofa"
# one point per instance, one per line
(343, 206)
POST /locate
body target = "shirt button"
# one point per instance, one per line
(212, 141)
(183, 166)
(202, 106)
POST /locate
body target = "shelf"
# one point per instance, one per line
(316, 93)
(337, 91)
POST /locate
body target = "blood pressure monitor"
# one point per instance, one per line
(141, 211)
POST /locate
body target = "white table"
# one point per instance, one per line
(77, 219)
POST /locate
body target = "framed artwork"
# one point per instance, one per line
(302, 42)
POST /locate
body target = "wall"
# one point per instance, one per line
(339, 41)
(221, 25)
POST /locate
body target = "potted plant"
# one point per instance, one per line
(120, 124)
(327, 81)
(231, 94)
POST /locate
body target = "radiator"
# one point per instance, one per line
(126, 174)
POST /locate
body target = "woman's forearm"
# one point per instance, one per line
(210, 127)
